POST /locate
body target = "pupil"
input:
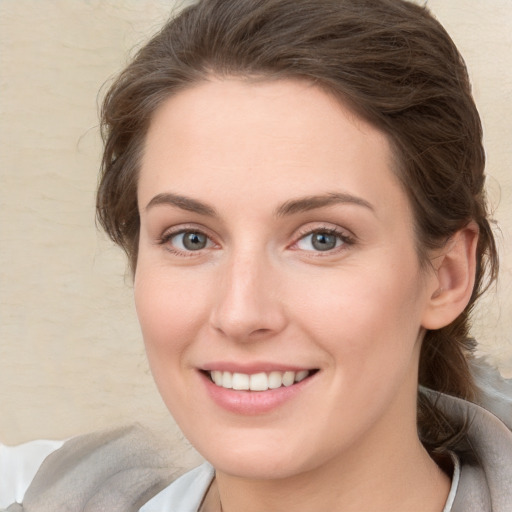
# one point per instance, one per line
(324, 241)
(194, 241)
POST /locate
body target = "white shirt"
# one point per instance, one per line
(18, 465)
(184, 494)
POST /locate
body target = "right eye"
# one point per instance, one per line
(187, 241)
(321, 241)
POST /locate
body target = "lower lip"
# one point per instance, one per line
(251, 403)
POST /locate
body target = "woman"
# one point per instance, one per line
(298, 186)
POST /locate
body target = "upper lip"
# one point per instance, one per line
(252, 368)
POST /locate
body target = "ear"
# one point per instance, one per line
(453, 278)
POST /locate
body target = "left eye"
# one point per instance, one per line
(190, 241)
(320, 241)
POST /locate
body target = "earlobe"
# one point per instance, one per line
(454, 278)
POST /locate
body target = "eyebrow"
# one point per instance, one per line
(182, 202)
(308, 203)
(290, 207)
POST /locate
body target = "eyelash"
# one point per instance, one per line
(346, 240)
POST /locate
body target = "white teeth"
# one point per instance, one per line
(275, 380)
(227, 380)
(288, 378)
(301, 375)
(240, 381)
(257, 381)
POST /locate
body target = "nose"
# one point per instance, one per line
(247, 305)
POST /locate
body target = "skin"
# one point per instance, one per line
(260, 292)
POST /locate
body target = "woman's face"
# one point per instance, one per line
(277, 245)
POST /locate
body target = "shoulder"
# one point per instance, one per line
(116, 470)
(485, 482)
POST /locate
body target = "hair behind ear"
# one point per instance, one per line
(444, 357)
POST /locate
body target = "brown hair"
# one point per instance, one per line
(392, 63)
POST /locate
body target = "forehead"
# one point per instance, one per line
(253, 109)
(274, 138)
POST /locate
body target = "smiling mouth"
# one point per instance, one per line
(262, 381)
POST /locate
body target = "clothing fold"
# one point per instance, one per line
(115, 471)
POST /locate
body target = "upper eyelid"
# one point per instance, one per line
(310, 228)
(321, 229)
(183, 228)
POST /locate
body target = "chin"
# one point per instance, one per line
(252, 468)
(260, 460)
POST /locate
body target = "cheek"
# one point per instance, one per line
(369, 316)
(170, 312)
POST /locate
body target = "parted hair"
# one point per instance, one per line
(393, 64)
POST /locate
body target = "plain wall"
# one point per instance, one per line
(71, 355)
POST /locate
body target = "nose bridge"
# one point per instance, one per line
(247, 305)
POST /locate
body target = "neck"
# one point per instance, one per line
(400, 482)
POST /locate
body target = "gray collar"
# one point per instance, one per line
(487, 485)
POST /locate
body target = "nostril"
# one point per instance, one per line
(259, 332)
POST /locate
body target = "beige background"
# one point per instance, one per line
(71, 356)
